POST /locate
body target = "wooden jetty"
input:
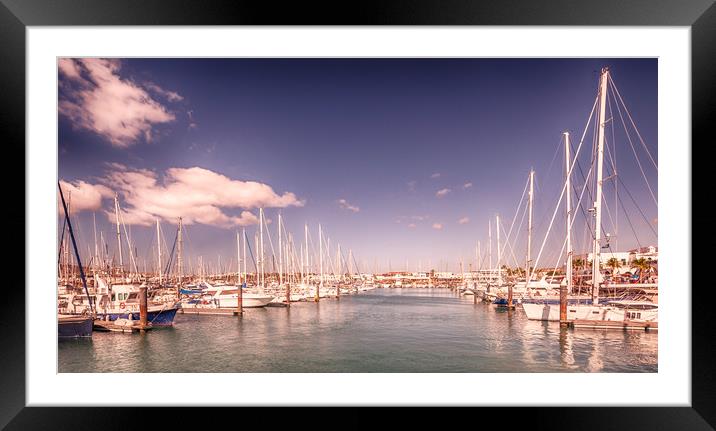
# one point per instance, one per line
(626, 325)
(209, 311)
(111, 326)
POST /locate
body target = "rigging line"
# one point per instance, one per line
(129, 240)
(606, 204)
(615, 90)
(564, 188)
(251, 253)
(638, 162)
(62, 238)
(522, 198)
(613, 157)
(514, 240)
(646, 220)
(273, 253)
(638, 243)
(517, 264)
(171, 254)
(564, 243)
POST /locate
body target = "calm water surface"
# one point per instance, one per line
(385, 330)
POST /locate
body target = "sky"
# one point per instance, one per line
(401, 161)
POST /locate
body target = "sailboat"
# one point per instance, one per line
(69, 325)
(591, 312)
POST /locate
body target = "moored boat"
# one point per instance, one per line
(71, 326)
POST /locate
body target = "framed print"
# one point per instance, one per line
(428, 205)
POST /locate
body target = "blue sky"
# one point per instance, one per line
(362, 146)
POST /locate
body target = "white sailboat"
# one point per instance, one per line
(613, 310)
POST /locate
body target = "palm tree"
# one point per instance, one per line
(614, 264)
(641, 264)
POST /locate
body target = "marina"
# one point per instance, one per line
(385, 330)
(551, 287)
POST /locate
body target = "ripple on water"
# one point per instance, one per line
(385, 330)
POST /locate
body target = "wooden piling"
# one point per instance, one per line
(563, 306)
(143, 306)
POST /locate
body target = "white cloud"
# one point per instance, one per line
(442, 192)
(437, 226)
(69, 68)
(196, 194)
(97, 99)
(466, 186)
(412, 225)
(82, 196)
(346, 206)
(464, 220)
(435, 175)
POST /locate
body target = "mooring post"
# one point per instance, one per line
(563, 305)
(143, 307)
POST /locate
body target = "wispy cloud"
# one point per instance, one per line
(196, 194)
(192, 123)
(172, 96)
(442, 192)
(466, 186)
(96, 98)
(412, 225)
(411, 185)
(435, 175)
(464, 220)
(437, 226)
(347, 206)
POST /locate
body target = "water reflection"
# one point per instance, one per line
(387, 330)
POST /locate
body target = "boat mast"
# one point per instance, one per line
(261, 245)
(243, 233)
(489, 236)
(596, 261)
(119, 235)
(499, 255)
(159, 255)
(564, 290)
(308, 265)
(96, 250)
(180, 263)
(339, 273)
(240, 295)
(320, 260)
(528, 272)
(280, 253)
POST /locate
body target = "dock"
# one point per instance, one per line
(209, 311)
(110, 326)
(626, 325)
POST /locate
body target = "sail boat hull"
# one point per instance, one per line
(161, 317)
(69, 326)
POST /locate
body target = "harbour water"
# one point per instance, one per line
(384, 330)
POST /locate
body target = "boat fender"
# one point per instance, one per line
(122, 305)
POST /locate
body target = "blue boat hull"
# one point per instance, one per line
(156, 318)
(74, 327)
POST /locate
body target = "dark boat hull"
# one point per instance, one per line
(156, 318)
(74, 326)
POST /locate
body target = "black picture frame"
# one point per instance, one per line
(16, 15)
